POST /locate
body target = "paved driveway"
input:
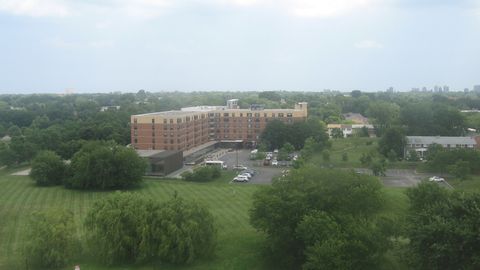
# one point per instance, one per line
(264, 174)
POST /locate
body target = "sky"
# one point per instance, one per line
(53, 46)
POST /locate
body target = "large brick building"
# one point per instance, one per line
(194, 126)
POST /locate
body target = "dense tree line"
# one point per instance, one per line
(277, 133)
(97, 165)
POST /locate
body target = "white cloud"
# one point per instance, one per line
(146, 9)
(368, 44)
(35, 8)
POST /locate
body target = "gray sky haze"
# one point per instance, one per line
(197, 45)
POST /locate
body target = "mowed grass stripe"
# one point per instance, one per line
(229, 204)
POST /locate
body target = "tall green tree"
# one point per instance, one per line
(51, 240)
(105, 165)
(442, 227)
(393, 139)
(289, 209)
(48, 169)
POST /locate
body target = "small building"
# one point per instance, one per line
(162, 162)
(356, 118)
(420, 144)
(350, 130)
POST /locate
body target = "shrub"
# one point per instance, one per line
(51, 241)
(105, 165)
(48, 169)
(127, 228)
(203, 174)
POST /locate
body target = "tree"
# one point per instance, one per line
(127, 228)
(51, 239)
(115, 228)
(392, 156)
(186, 231)
(48, 169)
(345, 156)
(442, 228)
(105, 165)
(385, 114)
(461, 169)
(326, 155)
(303, 195)
(337, 133)
(393, 139)
(378, 167)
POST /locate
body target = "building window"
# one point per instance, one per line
(257, 115)
(164, 121)
(225, 115)
(135, 120)
(241, 114)
(280, 115)
(179, 120)
(233, 114)
(273, 114)
(135, 140)
(153, 120)
(249, 114)
(289, 115)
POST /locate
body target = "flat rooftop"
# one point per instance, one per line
(440, 140)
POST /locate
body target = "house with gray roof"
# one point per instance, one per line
(420, 144)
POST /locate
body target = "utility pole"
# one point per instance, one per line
(236, 155)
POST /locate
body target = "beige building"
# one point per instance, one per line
(193, 126)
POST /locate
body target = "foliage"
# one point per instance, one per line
(304, 197)
(413, 156)
(326, 155)
(105, 165)
(277, 133)
(442, 228)
(460, 162)
(378, 167)
(48, 169)
(52, 241)
(345, 157)
(393, 139)
(337, 133)
(126, 228)
(202, 174)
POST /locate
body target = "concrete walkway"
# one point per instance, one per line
(22, 173)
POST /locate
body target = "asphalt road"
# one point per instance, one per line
(264, 174)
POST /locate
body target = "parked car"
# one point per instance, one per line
(240, 179)
(274, 162)
(240, 167)
(251, 172)
(436, 179)
(275, 151)
(249, 176)
(224, 166)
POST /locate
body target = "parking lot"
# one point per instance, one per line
(264, 174)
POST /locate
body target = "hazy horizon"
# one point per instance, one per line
(49, 46)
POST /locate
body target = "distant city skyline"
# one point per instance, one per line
(56, 46)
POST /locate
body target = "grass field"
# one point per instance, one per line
(239, 245)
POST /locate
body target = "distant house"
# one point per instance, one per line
(6, 139)
(356, 118)
(109, 108)
(350, 130)
(420, 144)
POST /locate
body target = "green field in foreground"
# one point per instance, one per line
(239, 245)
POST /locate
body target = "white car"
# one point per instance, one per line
(240, 167)
(274, 162)
(246, 174)
(436, 179)
(240, 179)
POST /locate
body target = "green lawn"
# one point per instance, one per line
(239, 245)
(354, 147)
